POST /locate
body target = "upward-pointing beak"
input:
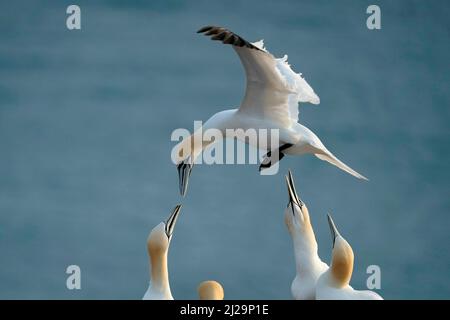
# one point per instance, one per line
(334, 231)
(293, 196)
(184, 172)
(172, 220)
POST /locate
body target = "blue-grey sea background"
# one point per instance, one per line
(85, 124)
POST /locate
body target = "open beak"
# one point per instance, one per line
(334, 231)
(184, 172)
(172, 220)
(293, 196)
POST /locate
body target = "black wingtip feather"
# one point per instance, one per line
(226, 36)
(204, 29)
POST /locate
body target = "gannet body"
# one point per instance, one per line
(158, 243)
(273, 91)
(334, 284)
(309, 266)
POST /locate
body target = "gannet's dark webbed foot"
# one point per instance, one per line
(184, 172)
(267, 162)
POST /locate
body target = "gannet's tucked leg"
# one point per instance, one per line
(267, 161)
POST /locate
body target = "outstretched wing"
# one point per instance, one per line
(273, 89)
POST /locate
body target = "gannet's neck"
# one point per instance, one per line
(305, 251)
(159, 274)
(193, 145)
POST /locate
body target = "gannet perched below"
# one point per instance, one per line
(309, 266)
(210, 290)
(334, 284)
(158, 246)
(273, 91)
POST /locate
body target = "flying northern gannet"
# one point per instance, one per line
(158, 247)
(334, 284)
(210, 290)
(273, 91)
(309, 266)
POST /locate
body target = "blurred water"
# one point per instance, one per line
(85, 124)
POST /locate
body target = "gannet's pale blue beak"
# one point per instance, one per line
(334, 231)
(184, 172)
(172, 220)
(293, 196)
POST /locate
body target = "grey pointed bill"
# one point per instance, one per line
(293, 195)
(184, 172)
(334, 231)
(172, 220)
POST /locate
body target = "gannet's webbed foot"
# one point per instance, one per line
(184, 172)
(269, 161)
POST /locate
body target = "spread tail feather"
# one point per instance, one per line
(329, 157)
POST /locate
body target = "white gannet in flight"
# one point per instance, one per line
(309, 266)
(273, 91)
(158, 246)
(210, 290)
(334, 284)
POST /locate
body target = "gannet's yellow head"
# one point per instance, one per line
(296, 215)
(210, 290)
(159, 238)
(342, 258)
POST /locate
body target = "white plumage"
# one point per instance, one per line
(273, 91)
(308, 265)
